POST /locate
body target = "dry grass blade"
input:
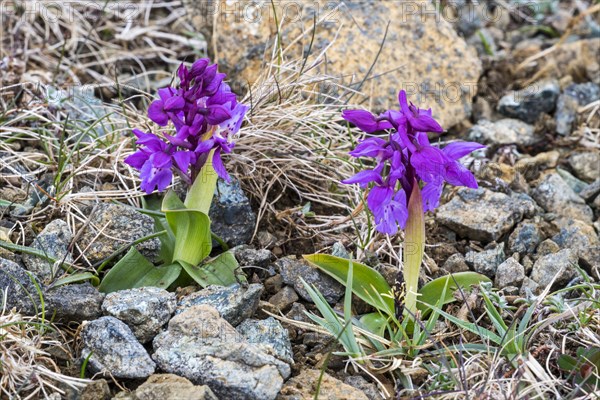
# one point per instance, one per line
(27, 370)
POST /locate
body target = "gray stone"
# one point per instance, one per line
(231, 215)
(292, 270)
(470, 17)
(481, 214)
(525, 238)
(486, 262)
(145, 310)
(484, 42)
(284, 298)
(234, 303)
(360, 383)
(562, 265)
(119, 225)
(268, 335)
(97, 389)
(455, 263)
(167, 387)
(586, 165)
(528, 104)
(19, 288)
(529, 288)
(509, 273)
(77, 302)
(503, 132)
(530, 167)
(580, 237)
(574, 183)
(548, 246)
(352, 35)
(555, 195)
(591, 191)
(339, 250)
(249, 257)
(302, 387)
(114, 350)
(204, 348)
(573, 97)
(54, 241)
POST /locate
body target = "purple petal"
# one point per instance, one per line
(162, 179)
(157, 114)
(364, 178)
(386, 223)
(217, 114)
(160, 160)
(371, 147)
(429, 163)
(365, 121)
(458, 150)
(219, 168)
(165, 93)
(199, 66)
(205, 146)
(179, 140)
(182, 160)
(457, 175)
(403, 103)
(173, 104)
(378, 197)
(399, 209)
(424, 123)
(431, 194)
(137, 159)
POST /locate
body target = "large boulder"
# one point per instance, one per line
(421, 53)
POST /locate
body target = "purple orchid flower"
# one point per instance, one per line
(206, 116)
(404, 156)
(170, 102)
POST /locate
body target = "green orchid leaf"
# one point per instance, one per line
(77, 277)
(432, 291)
(193, 242)
(375, 323)
(133, 270)
(221, 270)
(367, 284)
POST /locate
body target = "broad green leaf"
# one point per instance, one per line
(567, 362)
(432, 291)
(221, 270)
(191, 228)
(77, 277)
(133, 270)
(374, 322)
(367, 284)
(413, 247)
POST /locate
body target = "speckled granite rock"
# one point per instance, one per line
(234, 303)
(120, 225)
(422, 53)
(145, 310)
(53, 240)
(114, 350)
(204, 348)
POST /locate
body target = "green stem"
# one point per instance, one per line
(201, 192)
(414, 246)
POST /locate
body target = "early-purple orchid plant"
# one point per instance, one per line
(408, 177)
(201, 117)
